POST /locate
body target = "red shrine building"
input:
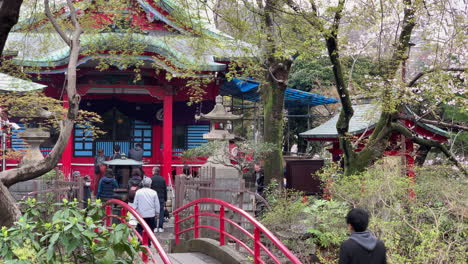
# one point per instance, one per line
(152, 111)
(361, 126)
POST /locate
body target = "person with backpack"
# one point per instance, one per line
(159, 185)
(134, 185)
(106, 186)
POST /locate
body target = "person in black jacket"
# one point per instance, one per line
(362, 247)
(159, 185)
(106, 186)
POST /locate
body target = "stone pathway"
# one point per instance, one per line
(179, 258)
(190, 258)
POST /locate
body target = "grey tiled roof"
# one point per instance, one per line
(12, 84)
(364, 118)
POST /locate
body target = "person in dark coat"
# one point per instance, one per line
(362, 247)
(136, 153)
(159, 185)
(116, 169)
(134, 184)
(86, 190)
(259, 178)
(106, 186)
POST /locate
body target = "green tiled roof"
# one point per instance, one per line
(183, 51)
(365, 117)
(12, 84)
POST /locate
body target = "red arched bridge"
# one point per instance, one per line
(253, 241)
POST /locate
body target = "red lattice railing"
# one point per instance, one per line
(259, 229)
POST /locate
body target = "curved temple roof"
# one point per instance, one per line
(174, 50)
(364, 119)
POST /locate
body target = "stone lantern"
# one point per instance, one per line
(219, 118)
(34, 137)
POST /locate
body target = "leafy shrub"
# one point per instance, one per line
(429, 228)
(71, 235)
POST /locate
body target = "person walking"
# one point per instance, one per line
(362, 247)
(146, 203)
(159, 185)
(106, 186)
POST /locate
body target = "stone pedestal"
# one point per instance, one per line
(33, 137)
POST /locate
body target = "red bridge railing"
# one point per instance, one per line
(147, 234)
(256, 237)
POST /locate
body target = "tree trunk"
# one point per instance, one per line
(273, 101)
(9, 14)
(273, 97)
(8, 206)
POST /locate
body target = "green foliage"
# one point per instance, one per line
(326, 218)
(429, 228)
(70, 235)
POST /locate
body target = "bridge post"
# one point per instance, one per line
(176, 228)
(108, 213)
(256, 245)
(221, 226)
(196, 221)
(123, 212)
(144, 237)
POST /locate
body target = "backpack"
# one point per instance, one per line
(132, 192)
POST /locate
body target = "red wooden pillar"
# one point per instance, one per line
(167, 137)
(68, 152)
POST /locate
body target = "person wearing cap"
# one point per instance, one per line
(146, 203)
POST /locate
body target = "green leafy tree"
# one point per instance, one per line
(69, 235)
(8, 205)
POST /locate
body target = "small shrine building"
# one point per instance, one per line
(361, 126)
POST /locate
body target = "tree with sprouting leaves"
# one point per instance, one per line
(8, 205)
(430, 76)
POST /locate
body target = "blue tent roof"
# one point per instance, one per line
(247, 89)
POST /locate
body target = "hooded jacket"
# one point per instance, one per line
(106, 187)
(362, 248)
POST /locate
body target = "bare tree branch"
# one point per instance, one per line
(57, 27)
(421, 74)
(433, 122)
(429, 143)
(32, 171)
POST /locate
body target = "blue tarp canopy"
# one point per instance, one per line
(247, 89)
